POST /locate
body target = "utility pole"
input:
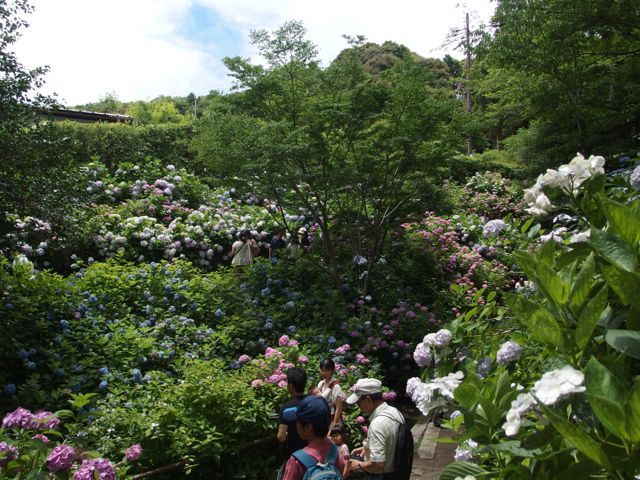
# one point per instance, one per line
(467, 66)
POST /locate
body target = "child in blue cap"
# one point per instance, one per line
(313, 417)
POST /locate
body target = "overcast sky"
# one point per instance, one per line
(139, 49)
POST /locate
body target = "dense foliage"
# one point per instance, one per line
(130, 343)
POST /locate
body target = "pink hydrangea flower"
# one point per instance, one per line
(284, 339)
(361, 420)
(20, 417)
(244, 358)
(133, 452)
(256, 383)
(293, 343)
(282, 384)
(303, 359)
(389, 396)
(364, 429)
(40, 437)
(271, 352)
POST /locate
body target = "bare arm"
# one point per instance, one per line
(282, 433)
(367, 466)
(338, 415)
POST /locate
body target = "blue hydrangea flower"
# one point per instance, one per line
(103, 371)
(103, 385)
(219, 313)
(9, 389)
(22, 354)
(31, 366)
(331, 340)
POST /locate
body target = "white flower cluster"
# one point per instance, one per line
(568, 178)
(493, 227)
(549, 389)
(553, 235)
(508, 352)
(423, 354)
(435, 393)
(634, 179)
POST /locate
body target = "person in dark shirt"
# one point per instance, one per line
(305, 241)
(288, 437)
(277, 242)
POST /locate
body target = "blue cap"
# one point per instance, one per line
(311, 409)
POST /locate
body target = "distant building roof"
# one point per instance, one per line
(85, 116)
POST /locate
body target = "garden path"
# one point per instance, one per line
(431, 456)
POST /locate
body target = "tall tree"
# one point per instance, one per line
(348, 146)
(577, 64)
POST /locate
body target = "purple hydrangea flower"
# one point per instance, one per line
(19, 418)
(508, 352)
(61, 458)
(11, 453)
(101, 466)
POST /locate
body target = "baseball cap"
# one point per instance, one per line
(364, 387)
(311, 409)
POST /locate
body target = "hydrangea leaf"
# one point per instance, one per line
(466, 394)
(589, 317)
(613, 248)
(606, 395)
(461, 469)
(632, 413)
(577, 437)
(625, 341)
(624, 220)
(582, 284)
(625, 284)
(540, 321)
(539, 269)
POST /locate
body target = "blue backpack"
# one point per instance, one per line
(326, 470)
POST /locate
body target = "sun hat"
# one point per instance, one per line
(302, 230)
(364, 387)
(312, 409)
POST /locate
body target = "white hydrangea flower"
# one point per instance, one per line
(519, 408)
(580, 237)
(422, 355)
(439, 339)
(553, 235)
(493, 227)
(558, 383)
(446, 385)
(540, 206)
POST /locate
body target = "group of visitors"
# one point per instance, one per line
(312, 436)
(245, 248)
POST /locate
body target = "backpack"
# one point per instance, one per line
(326, 470)
(403, 455)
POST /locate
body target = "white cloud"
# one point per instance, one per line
(138, 49)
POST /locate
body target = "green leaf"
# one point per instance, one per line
(526, 225)
(624, 220)
(606, 395)
(589, 317)
(625, 341)
(632, 413)
(513, 446)
(582, 284)
(577, 437)
(540, 321)
(625, 284)
(614, 249)
(466, 395)
(461, 469)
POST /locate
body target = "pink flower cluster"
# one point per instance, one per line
(61, 458)
(133, 452)
(23, 418)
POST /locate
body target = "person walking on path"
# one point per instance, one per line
(312, 418)
(379, 447)
(330, 389)
(243, 251)
(288, 438)
(305, 241)
(277, 242)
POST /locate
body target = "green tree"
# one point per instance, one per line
(571, 66)
(350, 147)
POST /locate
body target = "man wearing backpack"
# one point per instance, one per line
(320, 459)
(387, 451)
(288, 438)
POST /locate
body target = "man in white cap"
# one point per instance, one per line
(379, 447)
(305, 242)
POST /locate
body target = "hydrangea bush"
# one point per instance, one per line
(570, 408)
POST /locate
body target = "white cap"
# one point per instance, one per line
(302, 230)
(364, 387)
